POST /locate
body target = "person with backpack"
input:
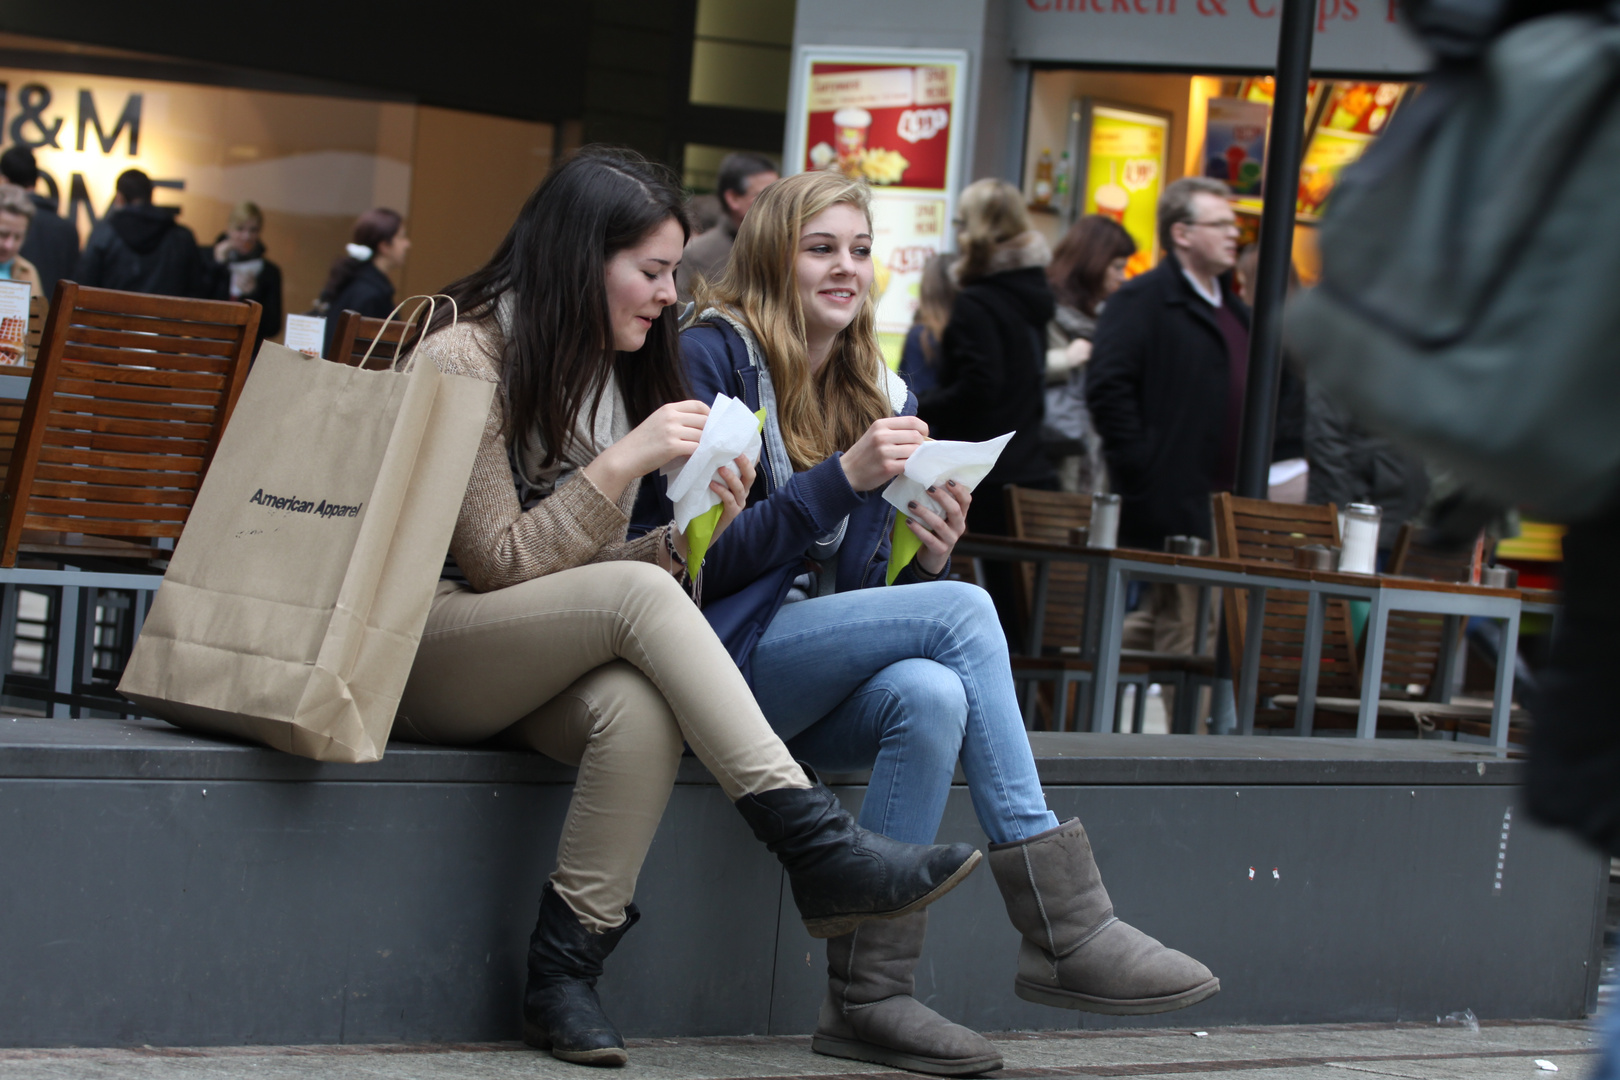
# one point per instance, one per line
(1466, 311)
(907, 679)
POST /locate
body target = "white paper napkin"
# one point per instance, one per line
(730, 432)
(934, 463)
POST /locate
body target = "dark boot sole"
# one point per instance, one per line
(602, 1057)
(1068, 999)
(831, 926)
(854, 1050)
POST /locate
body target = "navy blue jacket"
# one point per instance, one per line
(749, 570)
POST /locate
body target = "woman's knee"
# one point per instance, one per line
(613, 711)
(929, 703)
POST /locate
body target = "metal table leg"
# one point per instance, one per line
(1249, 673)
(67, 640)
(1037, 614)
(1507, 658)
(1105, 675)
(1446, 665)
(1310, 663)
(1372, 672)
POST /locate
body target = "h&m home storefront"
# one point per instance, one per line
(311, 160)
(1124, 96)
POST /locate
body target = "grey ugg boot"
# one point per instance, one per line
(870, 1015)
(1076, 954)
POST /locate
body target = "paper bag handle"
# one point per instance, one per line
(429, 306)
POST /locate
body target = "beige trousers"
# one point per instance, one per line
(608, 667)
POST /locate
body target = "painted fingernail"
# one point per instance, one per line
(911, 506)
(950, 483)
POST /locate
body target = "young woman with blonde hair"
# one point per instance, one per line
(906, 680)
(553, 633)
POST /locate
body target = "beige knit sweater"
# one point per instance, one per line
(496, 543)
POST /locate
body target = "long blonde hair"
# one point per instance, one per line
(825, 412)
(992, 213)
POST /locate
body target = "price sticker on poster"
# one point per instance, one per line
(889, 117)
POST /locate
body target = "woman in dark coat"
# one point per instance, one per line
(359, 280)
(992, 371)
(246, 273)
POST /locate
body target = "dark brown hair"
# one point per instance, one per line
(559, 348)
(373, 229)
(936, 294)
(1081, 261)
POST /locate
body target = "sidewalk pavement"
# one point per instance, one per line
(1500, 1050)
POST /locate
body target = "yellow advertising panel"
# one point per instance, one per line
(1125, 165)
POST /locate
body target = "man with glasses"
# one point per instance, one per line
(1165, 389)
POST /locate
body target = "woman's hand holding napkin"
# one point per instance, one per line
(730, 432)
(931, 465)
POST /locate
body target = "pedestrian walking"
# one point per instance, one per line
(554, 633)
(742, 177)
(1087, 268)
(142, 248)
(907, 680)
(1165, 388)
(919, 357)
(249, 275)
(359, 279)
(991, 377)
(52, 246)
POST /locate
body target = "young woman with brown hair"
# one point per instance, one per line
(1087, 268)
(553, 633)
(907, 680)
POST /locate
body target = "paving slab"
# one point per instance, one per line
(1499, 1050)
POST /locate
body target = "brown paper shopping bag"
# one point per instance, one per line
(291, 611)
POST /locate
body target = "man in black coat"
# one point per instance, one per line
(139, 247)
(53, 242)
(1165, 389)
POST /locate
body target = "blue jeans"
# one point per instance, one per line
(906, 681)
(1608, 1067)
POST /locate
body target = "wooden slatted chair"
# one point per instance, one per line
(1414, 645)
(11, 409)
(355, 333)
(126, 406)
(1051, 516)
(1259, 531)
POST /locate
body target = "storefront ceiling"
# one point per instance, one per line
(524, 60)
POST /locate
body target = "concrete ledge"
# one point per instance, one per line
(151, 749)
(166, 889)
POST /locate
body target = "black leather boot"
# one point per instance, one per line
(843, 875)
(561, 1012)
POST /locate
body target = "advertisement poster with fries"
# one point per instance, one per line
(888, 117)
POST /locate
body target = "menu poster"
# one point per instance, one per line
(1363, 108)
(888, 117)
(14, 322)
(1124, 173)
(1235, 144)
(887, 124)
(305, 334)
(1328, 154)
